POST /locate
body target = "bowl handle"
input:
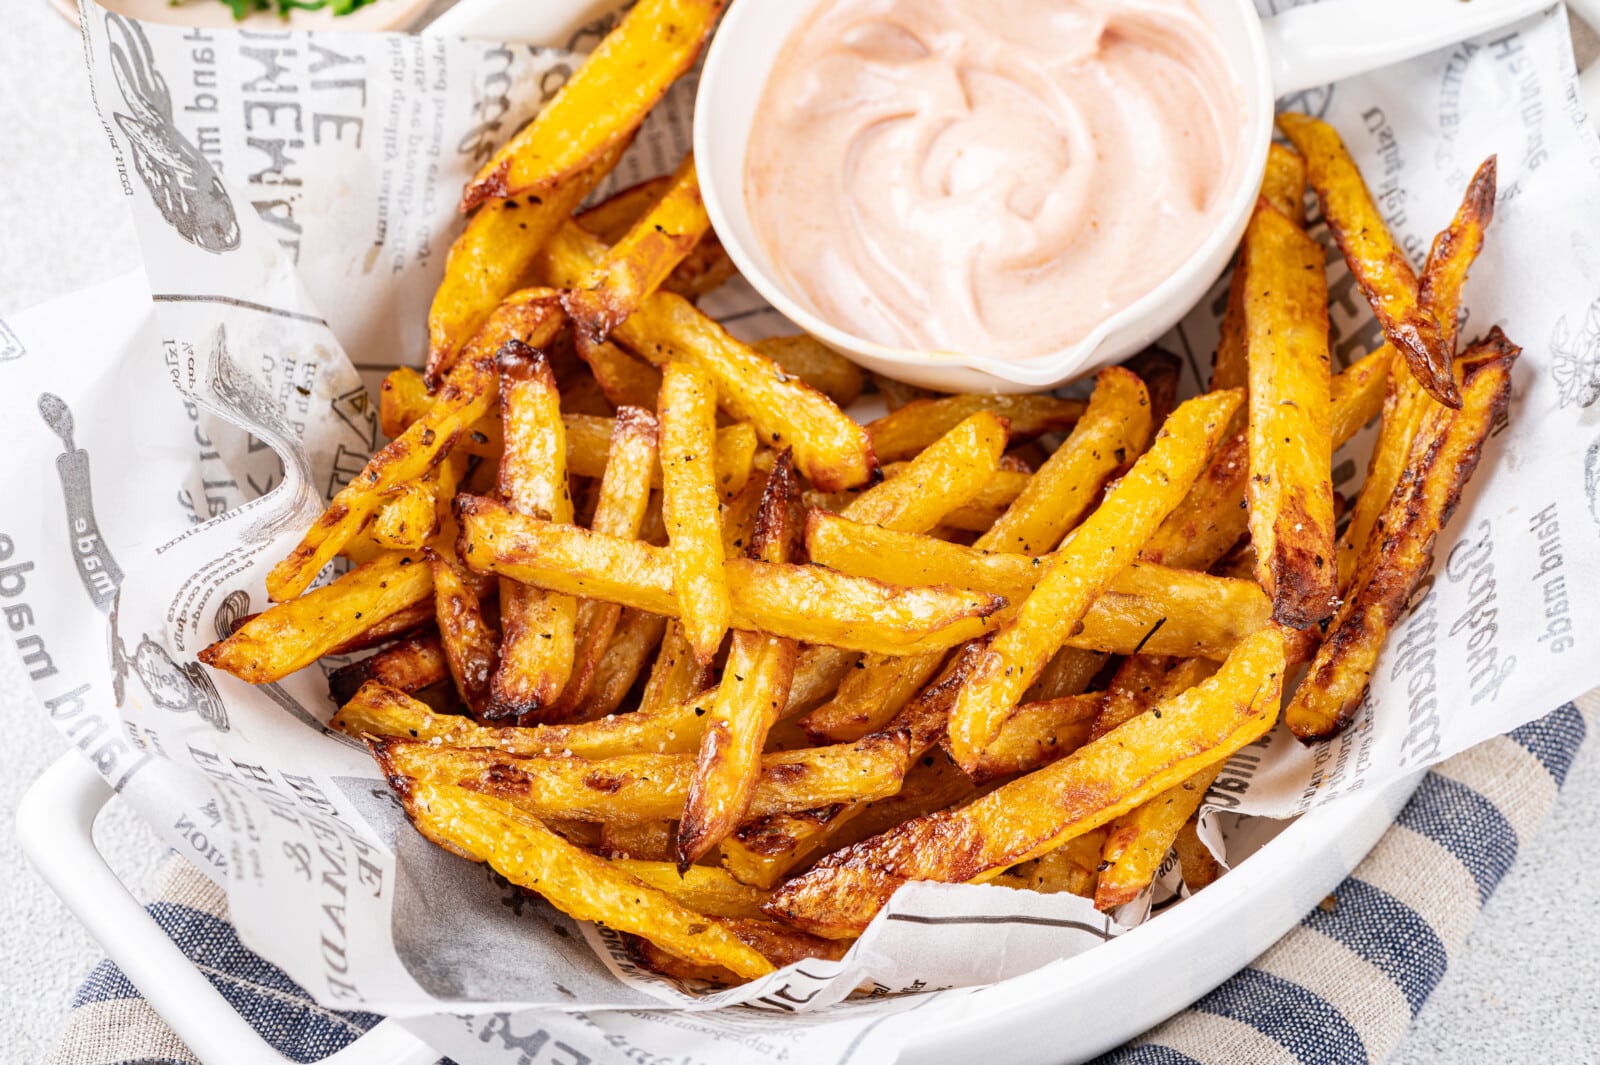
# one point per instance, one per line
(55, 824)
(1316, 44)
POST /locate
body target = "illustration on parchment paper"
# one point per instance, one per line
(184, 186)
(1577, 358)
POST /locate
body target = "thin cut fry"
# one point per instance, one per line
(1291, 443)
(902, 433)
(601, 105)
(470, 646)
(1100, 548)
(1036, 735)
(947, 473)
(802, 602)
(831, 450)
(675, 675)
(410, 665)
(291, 635)
(637, 264)
(1138, 684)
(1379, 265)
(1038, 812)
(1140, 839)
(689, 506)
(581, 885)
(1398, 554)
(750, 698)
(625, 380)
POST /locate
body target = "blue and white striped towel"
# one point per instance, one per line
(1341, 987)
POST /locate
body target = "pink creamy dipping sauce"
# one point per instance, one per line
(990, 177)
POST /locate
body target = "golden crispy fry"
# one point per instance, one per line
(537, 626)
(290, 635)
(1072, 868)
(1070, 672)
(470, 646)
(463, 400)
(1291, 443)
(1140, 839)
(625, 380)
(636, 637)
(675, 675)
(1160, 370)
(1405, 406)
(778, 943)
(589, 438)
(831, 450)
(1096, 552)
(601, 105)
(902, 433)
(1138, 684)
(490, 260)
(947, 473)
(648, 841)
(800, 602)
(689, 506)
(1038, 812)
(706, 267)
(637, 264)
(624, 493)
(410, 665)
(530, 316)
(1199, 866)
(1036, 735)
(702, 888)
(1212, 517)
(484, 829)
(612, 217)
(408, 518)
(649, 787)
(1379, 266)
(816, 364)
(1283, 186)
(1114, 428)
(750, 698)
(1198, 613)
(1399, 552)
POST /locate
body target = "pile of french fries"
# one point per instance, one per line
(665, 637)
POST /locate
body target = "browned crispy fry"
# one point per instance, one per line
(290, 635)
(1160, 371)
(537, 638)
(1405, 405)
(485, 829)
(1199, 866)
(802, 602)
(902, 433)
(750, 697)
(1212, 517)
(778, 943)
(470, 646)
(1073, 868)
(675, 675)
(648, 787)
(624, 493)
(408, 518)
(689, 506)
(1398, 554)
(625, 380)
(1096, 552)
(601, 105)
(1140, 839)
(640, 261)
(1138, 684)
(410, 665)
(1379, 265)
(1037, 734)
(1038, 812)
(636, 637)
(831, 450)
(816, 364)
(1291, 443)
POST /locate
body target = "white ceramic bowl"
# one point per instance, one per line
(1301, 48)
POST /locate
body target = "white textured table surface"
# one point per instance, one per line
(1522, 989)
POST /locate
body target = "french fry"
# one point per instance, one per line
(470, 646)
(897, 394)
(648, 787)
(636, 637)
(706, 267)
(689, 506)
(816, 364)
(601, 105)
(409, 664)
(408, 518)
(945, 475)
(1200, 868)
(750, 698)
(1398, 554)
(1137, 685)
(612, 217)
(291, 635)
(1160, 370)
(1070, 672)
(1291, 442)
(1140, 839)
(482, 828)
(1072, 868)
(801, 602)
(1038, 812)
(625, 380)
(902, 433)
(1036, 735)
(701, 888)
(1100, 548)
(1212, 517)
(537, 642)
(1284, 184)
(675, 675)
(778, 943)
(640, 261)
(1454, 251)
(831, 450)
(624, 492)
(1379, 265)
(647, 841)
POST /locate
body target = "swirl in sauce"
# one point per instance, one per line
(992, 177)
